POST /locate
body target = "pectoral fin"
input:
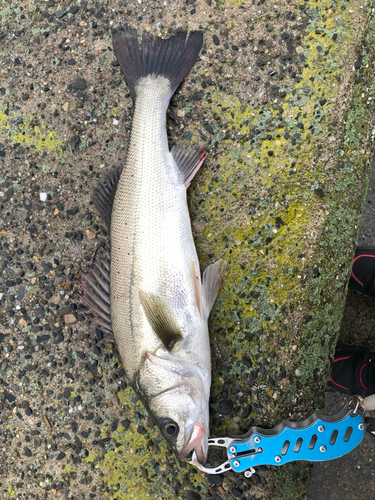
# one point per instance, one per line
(211, 283)
(161, 319)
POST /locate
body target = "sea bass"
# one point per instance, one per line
(149, 291)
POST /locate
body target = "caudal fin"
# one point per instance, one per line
(172, 57)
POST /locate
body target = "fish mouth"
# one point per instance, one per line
(197, 442)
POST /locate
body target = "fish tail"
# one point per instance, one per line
(171, 58)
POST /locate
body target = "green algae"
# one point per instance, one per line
(28, 134)
(68, 469)
(142, 467)
(286, 478)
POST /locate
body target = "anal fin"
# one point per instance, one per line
(188, 162)
(211, 283)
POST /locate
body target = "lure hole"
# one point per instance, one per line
(335, 433)
(285, 447)
(244, 453)
(221, 469)
(348, 433)
(313, 441)
(298, 445)
(216, 441)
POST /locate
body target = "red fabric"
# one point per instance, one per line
(354, 260)
(335, 361)
(360, 375)
(342, 386)
(340, 359)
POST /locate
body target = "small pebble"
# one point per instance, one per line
(69, 319)
(225, 407)
(233, 429)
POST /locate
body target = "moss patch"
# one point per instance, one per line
(143, 467)
(29, 134)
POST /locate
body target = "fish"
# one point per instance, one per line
(148, 288)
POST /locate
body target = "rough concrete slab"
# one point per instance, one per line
(358, 322)
(352, 476)
(281, 95)
(366, 236)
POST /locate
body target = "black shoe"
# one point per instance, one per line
(353, 371)
(363, 271)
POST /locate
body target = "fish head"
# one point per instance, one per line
(176, 394)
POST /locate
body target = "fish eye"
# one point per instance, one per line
(170, 429)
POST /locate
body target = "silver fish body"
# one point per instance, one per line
(152, 251)
(152, 245)
(159, 306)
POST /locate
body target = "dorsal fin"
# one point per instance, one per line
(104, 195)
(161, 319)
(96, 292)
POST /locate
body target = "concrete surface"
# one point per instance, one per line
(282, 96)
(352, 476)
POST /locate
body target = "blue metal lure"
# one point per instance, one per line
(318, 438)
